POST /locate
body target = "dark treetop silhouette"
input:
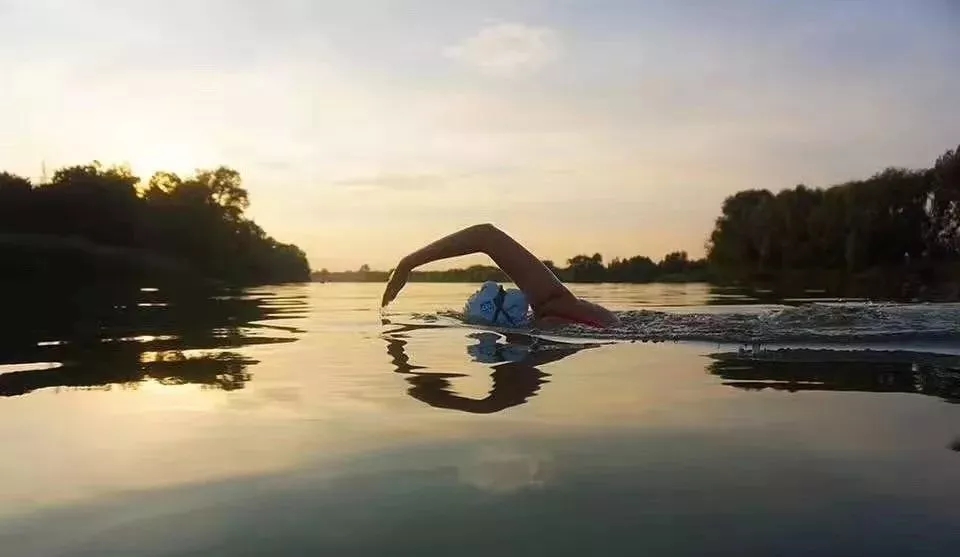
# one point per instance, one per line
(95, 223)
(900, 227)
(898, 223)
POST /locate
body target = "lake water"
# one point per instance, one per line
(298, 420)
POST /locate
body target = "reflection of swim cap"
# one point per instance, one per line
(492, 305)
(489, 350)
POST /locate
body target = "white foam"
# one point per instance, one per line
(820, 322)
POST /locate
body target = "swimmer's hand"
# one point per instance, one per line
(398, 278)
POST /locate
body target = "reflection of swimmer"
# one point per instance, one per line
(515, 375)
(539, 288)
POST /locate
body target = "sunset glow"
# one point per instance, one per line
(602, 126)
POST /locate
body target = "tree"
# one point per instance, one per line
(225, 189)
(584, 268)
(12, 184)
(894, 217)
(15, 198)
(91, 201)
(196, 221)
(675, 262)
(944, 205)
(739, 236)
(635, 269)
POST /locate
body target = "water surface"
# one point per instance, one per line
(299, 420)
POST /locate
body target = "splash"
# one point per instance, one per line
(806, 323)
(817, 322)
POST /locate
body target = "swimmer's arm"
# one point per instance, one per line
(529, 274)
(547, 295)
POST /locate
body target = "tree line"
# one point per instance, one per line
(103, 222)
(93, 221)
(674, 267)
(893, 231)
(896, 219)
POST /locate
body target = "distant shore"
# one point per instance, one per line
(914, 283)
(375, 276)
(673, 267)
(469, 277)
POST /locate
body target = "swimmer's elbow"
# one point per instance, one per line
(603, 316)
(487, 234)
(485, 228)
(612, 319)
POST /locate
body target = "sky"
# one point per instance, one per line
(364, 129)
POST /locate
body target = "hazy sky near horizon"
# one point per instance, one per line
(366, 128)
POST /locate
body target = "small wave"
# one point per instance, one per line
(806, 323)
(841, 322)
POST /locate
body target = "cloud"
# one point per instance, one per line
(508, 49)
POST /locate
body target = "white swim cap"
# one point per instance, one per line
(492, 305)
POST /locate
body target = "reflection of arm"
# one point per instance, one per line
(511, 387)
(530, 275)
(513, 382)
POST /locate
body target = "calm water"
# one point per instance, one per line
(300, 421)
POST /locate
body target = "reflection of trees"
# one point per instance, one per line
(223, 370)
(515, 377)
(126, 338)
(835, 370)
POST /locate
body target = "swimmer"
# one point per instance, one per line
(541, 301)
